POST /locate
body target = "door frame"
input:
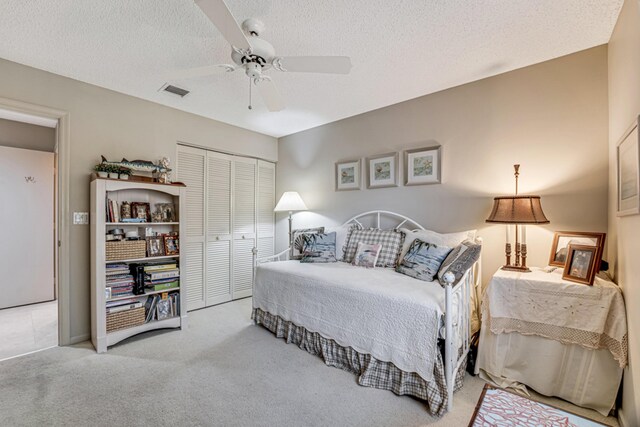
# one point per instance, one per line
(61, 203)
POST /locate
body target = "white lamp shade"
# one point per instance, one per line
(290, 201)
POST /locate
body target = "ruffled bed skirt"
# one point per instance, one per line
(370, 371)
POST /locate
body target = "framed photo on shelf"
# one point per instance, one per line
(628, 171)
(422, 166)
(562, 240)
(382, 171)
(155, 246)
(582, 264)
(141, 210)
(348, 175)
(171, 245)
(166, 212)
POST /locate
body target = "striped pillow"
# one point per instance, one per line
(391, 241)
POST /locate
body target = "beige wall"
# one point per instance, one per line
(551, 118)
(115, 125)
(27, 136)
(624, 232)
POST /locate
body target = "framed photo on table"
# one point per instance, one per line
(382, 171)
(422, 166)
(562, 240)
(348, 175)
(628, 171)
(582, 264)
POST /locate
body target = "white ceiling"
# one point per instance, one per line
(400, 49)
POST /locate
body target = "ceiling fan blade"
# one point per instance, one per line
(218, 12)
(207, 70)
(270, 95)
(314, 64)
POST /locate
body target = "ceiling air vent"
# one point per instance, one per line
(174, 90)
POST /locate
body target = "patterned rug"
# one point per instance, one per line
(501, 408)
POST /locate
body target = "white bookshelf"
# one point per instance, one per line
(131, 191)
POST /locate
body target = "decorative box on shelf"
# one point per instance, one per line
(137, 280)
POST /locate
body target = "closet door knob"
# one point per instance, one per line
(243, 236)
(217, 237)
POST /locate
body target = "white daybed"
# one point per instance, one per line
(382, 325)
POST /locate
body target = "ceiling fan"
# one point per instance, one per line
(255, 55)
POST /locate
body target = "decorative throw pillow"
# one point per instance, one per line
(422, 261)
(366, 255)
(319, 248)
(459, 260)
(298, 242)
(450, 240)
(343, 232)
(391, 241)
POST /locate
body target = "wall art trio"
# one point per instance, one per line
(421, 166)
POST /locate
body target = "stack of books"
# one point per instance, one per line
(158, 277)
(119, 281)
(122, 305)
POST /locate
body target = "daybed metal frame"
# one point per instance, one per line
(453, 357)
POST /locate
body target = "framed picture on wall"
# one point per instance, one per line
(422, 166)
(628, 165)
(348, 175)
(382, 171)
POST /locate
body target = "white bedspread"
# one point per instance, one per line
(380, 312)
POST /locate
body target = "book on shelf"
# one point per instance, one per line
(163, 274)
(133, 220)
(126, 301)
(163, 286)
(160, 267)
(125, 307)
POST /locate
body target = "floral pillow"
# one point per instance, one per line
(319, 248)
(367, 255)
(423, 260)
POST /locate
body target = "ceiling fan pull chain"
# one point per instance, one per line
(250, 94)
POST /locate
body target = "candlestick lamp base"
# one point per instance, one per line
(516, 268)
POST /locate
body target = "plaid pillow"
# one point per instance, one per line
(391, 241)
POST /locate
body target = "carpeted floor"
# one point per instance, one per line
(222, 370)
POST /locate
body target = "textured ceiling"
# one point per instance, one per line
(399, 49)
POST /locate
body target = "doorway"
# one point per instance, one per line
(28, 175)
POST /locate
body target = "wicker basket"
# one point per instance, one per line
(125, 319)
(126, 249)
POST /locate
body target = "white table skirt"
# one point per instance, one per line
(587, 378)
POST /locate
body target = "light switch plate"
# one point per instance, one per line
(81, 218)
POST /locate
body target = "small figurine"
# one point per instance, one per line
(164, 176)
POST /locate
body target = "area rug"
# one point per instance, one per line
(502, 408)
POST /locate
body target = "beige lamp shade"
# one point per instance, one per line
(289, 202)
(517, 210)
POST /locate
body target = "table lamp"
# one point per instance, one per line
(290, 202)
(518, 210)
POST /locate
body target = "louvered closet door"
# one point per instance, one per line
(191, 170)
(244, 224)
(266, 202)
(219, 220)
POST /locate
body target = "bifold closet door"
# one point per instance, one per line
(191, 168)
(266, 197)
(244, 224)
(219, 222)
